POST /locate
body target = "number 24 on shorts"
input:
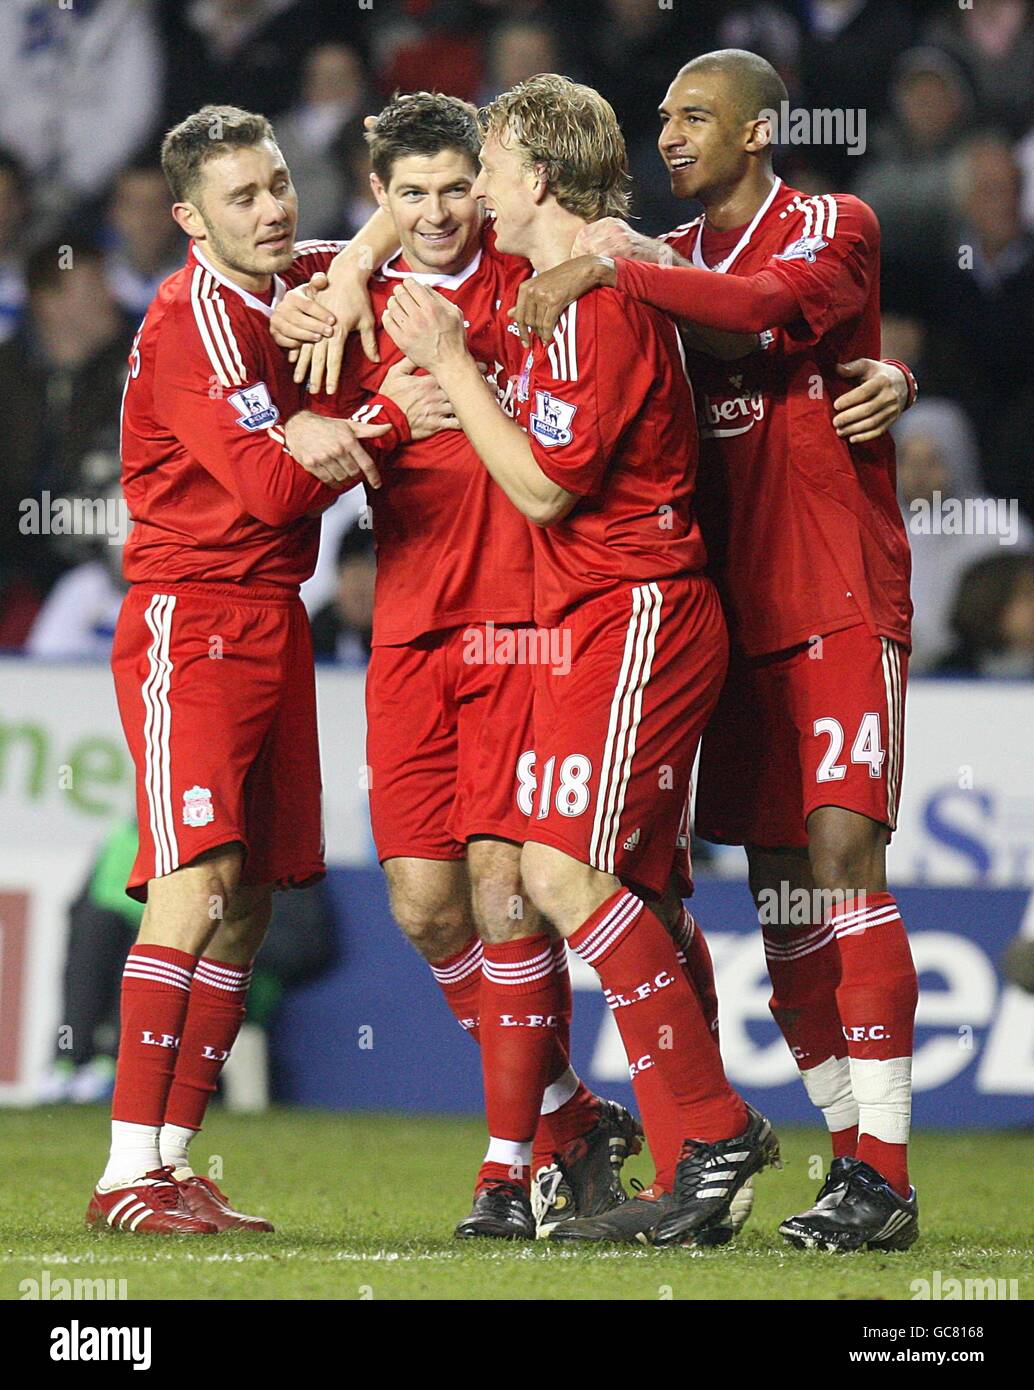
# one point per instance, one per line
(569, 787)
(866, 749)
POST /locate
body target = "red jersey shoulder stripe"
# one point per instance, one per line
(215, 329)
(820, 214)
(563, 350)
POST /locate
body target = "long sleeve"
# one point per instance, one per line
(233, 429)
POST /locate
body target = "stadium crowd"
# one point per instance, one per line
(939, 100)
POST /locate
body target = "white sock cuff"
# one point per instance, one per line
(559, 1092)
(509, 1153)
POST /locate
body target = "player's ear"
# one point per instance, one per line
(187, 217)
(538, 182)
(759, 134)
(378, 190)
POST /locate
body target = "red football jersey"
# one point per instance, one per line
(212, 490)
(609, 415)
(803, 530)
(451, 547)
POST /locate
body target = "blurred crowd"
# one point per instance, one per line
(945, 156)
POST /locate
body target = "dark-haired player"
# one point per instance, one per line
(802, 762)
(448, 710)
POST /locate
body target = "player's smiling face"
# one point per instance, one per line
(431, 202)
(506, 188)
(249, 211)
(703, 137)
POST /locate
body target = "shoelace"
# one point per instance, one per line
(161, 1190)
(503, 1188)
(550, 1185)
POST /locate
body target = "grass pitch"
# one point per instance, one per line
(364, 1207)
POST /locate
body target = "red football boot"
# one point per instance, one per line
(201, 1197)
(151, 1206)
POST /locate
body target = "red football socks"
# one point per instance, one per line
(877, 998)
(569, 1108)
(214, 1016)
(156, 985)
(658, 1013)
(804, 965)
(459, 976)
(520, 1007)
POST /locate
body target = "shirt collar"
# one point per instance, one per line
(440, 282)
(252, 300)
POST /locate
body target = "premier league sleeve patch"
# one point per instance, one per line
(255, 410)
(805, 248)
(551, 420)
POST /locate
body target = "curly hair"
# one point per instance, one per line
(571, 133)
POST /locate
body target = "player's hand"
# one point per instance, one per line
(347, 299)
(329, 449)
(875, 403)
(612, 237)
(426, 405)
(427, 328)
(541, 301)
(300, 318)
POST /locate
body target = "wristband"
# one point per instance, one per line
(913, 385)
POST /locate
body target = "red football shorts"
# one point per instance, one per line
(217, 694)
(616, 734)
(448, 717)
(819, 725)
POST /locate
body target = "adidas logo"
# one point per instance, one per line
(633, 839)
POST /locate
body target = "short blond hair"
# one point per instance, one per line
(572, 134)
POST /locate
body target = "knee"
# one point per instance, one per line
(839, 863)
(436, 930)
(503, 907)
(563, 889)
(543, 878)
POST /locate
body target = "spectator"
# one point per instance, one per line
(906, 178)
(342, 628)
(517, 50)
(995, 40)
(993, 619)
(65, 367)
(77, 621)
(81, 85)
(146, 243)
(844, 65)
(318, 135)
(238, 52)
(984, 296)
(938, 464)
(14, 212)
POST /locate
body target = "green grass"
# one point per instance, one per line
(364, 1207)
